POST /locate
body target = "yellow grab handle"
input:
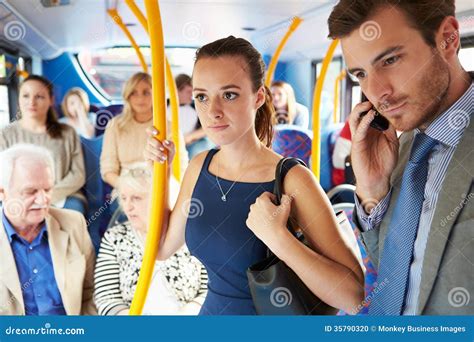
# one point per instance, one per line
(318, 89)
(276, 56)
(160, 183)
(339, 78)
(118, 20)
(173, 92)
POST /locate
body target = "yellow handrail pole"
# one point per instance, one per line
(318, 90)
(138, 13)
(173, 92)
(339, 78)
(174, 105)
(160, 184)
(118, 20)
(276, 56)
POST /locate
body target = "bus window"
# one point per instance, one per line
(110, 68)
(356, 95)
(466, 56)
(327, 99)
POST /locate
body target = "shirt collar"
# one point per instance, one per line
(449, 127)
(11, 232)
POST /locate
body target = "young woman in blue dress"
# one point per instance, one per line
(224, 211)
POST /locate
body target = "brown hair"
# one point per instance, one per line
(232, 46)
(423, 15)
(53, 127)
(79, 92)
(183, 80)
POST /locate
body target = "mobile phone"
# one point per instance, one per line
(379, 122)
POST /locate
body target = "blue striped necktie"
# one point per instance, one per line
(397, 254)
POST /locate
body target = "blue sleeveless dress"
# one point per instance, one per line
(217, 235)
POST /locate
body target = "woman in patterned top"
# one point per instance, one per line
(179, 284)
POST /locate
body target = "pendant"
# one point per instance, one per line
(224, 198)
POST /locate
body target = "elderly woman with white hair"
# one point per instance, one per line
(46, 253)
(179, 284)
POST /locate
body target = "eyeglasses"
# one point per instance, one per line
(137, 172)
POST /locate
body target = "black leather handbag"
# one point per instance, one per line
(275, 288)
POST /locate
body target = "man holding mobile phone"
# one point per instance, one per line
(413, 194)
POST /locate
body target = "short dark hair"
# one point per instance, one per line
(424, 15)
(183, 80)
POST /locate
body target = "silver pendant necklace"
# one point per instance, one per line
(224, 195)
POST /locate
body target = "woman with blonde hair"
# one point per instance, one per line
(124, 138)
(288, 111)
(75, 107)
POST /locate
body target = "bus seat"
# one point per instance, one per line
(328, 140)
(343, 193)
(370, 271)
(104, 115)
(94, 108)
(97, 192)
(293, 141)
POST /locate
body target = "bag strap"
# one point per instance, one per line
(283, 166)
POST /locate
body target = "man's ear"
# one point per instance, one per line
(447, 37)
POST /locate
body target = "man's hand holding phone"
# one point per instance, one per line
(374, 154)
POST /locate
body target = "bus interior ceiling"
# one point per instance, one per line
(75, 43)
(47, 33)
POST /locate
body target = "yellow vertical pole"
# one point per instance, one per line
(118, 20)
(276, 56)
(173, 92)
(159, 188)
(318, 89)
(174, 104)
(339, 78)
